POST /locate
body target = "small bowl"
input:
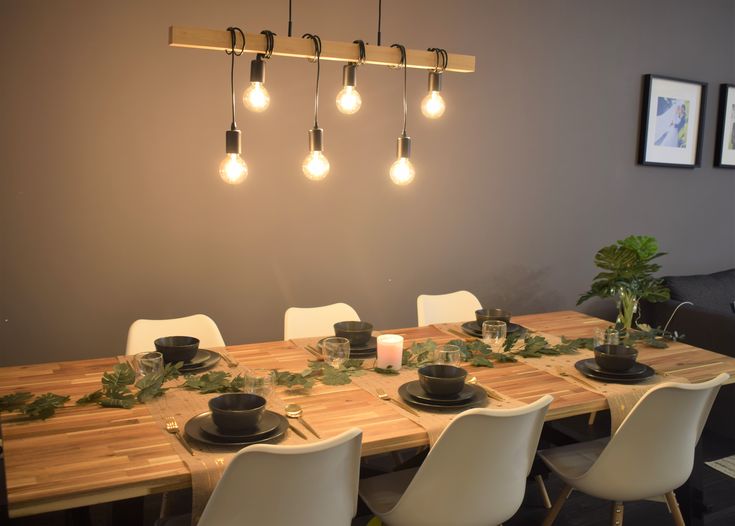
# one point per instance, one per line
(235, 412)
(615, 358)
(442, 380)
(177, 348)
(358, 332)
(484, 315)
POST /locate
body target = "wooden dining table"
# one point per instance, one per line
(87, 455)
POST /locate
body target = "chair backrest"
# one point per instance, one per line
(652, 452)
(476, 472)
(142, 333)
(305, 322)
(287, 485)
(446, 308)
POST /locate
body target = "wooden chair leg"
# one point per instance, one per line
(591, 420)
(617, 514)
(556, 508)
(674, 508)
(542, 490)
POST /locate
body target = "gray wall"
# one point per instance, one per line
(111, 208)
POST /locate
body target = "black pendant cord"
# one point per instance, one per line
(405, 69)
(290, 26)
(380, 17)
(441, 54)
(269, 45)
(317, 54)
(234, 53)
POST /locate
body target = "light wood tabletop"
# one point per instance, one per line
(86, 454)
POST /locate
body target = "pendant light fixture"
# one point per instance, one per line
(433, 106)
(348, 99)
(233, 169)
(256, 98)
(316, 165)
(402, 171)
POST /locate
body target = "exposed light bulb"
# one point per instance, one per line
(402, 171)
(349, 100)
(433, 106)
(233, 169)
(256, 97)
(315, 166)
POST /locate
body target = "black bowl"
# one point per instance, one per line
(358, 332)
(483, 315)
(615, 358)
(234, 412)
(177, 348)
(442, 380)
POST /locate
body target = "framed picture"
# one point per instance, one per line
(725, 143)
(672, 119)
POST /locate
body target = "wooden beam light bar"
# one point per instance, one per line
(220, 40)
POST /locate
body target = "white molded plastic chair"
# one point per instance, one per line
(650, 455)
(287, 485)
(142, 333)
(446, 308)
(305, 322)
(475, 474)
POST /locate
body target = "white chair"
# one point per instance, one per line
(446, 308)
(650, 455)
(315, 321)
(142, 333)
(475, 475)
(286, 485)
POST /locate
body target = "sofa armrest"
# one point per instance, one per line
(701, 327)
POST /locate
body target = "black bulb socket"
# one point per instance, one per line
(257, 70)
(232, 141)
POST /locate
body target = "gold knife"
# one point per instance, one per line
(297, 431)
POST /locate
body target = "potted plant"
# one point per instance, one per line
(627, 276)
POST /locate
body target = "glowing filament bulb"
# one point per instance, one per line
(433, 106)
(233, 169)
(256, 97)
(402, 171)
(315, 166)
(349, 100)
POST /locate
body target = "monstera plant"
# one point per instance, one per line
(627, 276)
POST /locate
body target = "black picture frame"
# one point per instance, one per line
(725, 156)
(661, 143)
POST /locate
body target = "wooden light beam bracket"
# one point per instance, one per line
(218, 40)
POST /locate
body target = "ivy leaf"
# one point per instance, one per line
(478, 346)
(115, 384)
(353, 364)
(334, 376)
(481, 361)
(502, 357)
(510, 341)
(149, 387)
(291, 380)
(172, 371)
(14, 401)
(91, 398)
(123, 402)
(212, 382)
(44, 406)
(387, 370)
(237, 385)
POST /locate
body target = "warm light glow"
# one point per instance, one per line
(433, 105)
(402, 171)
(256, 97)
(348, 100)
(315, 166)
(233, 169)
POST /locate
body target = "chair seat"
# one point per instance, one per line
(382, 493)
(574, 460)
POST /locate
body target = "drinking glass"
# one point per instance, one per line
(494, 333)
(448, 355)
(148, 363)
(260, 382)
(336, 351)
(608, 336)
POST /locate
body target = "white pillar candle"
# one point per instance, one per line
(390, 351)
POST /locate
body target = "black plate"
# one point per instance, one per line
(268, 424)
(362, 352)
(414, 389)
(210, 359)
(478, 397)
(635, 371)
(193, 429)
(473, 329)
(615, 378)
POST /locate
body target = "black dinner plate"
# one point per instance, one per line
(358, 352)
(635, 371)
(267, 425)
(414, 389)
(478, 397)
(203, 360)
(583, 367)
(473, 329)
(193, 429)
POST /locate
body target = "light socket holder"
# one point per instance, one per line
(316, 139)
(349, 75)
(404, 146)
(257, 70)
(232, 141)
(435, 81)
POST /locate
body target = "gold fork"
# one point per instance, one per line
(230, 361)
(172, 426)
(384, 396)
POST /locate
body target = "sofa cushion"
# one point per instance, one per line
(711, 291)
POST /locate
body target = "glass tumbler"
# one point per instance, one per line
(148, 363)
(448, 355)
(494, 333)
(608, 336)
(260, 382)
(336, 350)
